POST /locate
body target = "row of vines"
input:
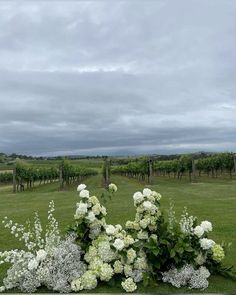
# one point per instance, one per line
(5, 177)
(70, 173)
(214, 166)
(26, 176)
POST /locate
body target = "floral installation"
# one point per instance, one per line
(152, 247)
(47, 259)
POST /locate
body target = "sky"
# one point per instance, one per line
(117, 77)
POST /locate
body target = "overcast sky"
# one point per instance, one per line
(117, 77)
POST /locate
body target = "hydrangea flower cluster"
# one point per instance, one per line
(207, 246)
(111, 249)
(147, 214)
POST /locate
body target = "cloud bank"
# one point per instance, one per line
(117, 78)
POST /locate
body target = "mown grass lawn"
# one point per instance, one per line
(213, 200)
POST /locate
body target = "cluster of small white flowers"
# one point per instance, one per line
(186, 223)
(63, 266)
(187, 276)
(48, 261)
(52, 236)
(20, 232)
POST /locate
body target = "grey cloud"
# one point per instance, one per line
(131, 77)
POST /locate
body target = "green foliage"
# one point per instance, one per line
(215, 164)
(26, 173)
(136, 169)
(5, 177)
(71, 173)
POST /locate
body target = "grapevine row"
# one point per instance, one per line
(5, 177)
(214, 166)
(26, 176)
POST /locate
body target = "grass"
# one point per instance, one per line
(213, 200)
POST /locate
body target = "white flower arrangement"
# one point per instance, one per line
(48, 260)
(109, 250)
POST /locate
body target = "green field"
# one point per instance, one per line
(211, 199)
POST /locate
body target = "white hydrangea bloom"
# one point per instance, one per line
(81, 187)
(84, 194)
(142, 235)
(105, 252)
(110, 229)
(96, 209)
(138, 197)
(206, 225)
(118, 267)
(144, 222)
(103, 210)
(198, 231)
(200, 259)
(91, 216)
(89, 280)
(129, 285)
(112, 187)
(119, 244)
(95, 265)
(128, 240)
(141, 262)
(118, 226)
(206, 244)
(128, 270)
(106, 272)
(2, 289)
(147, 205)
(131, 255)
(156, 195)
(91, 253)
(129, 224)
(147, 192)
(76, 285)
(82, 208)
